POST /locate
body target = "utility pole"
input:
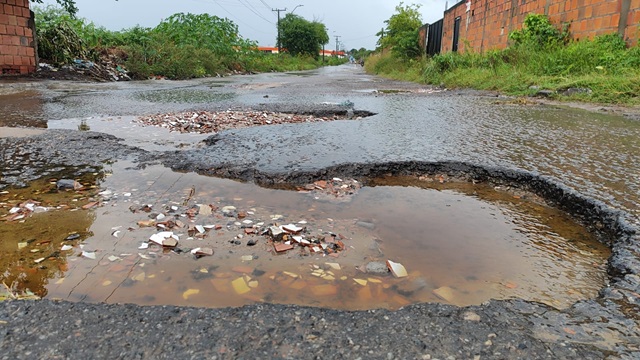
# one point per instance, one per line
(337, 48)
(279, 10)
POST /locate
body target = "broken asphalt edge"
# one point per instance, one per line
(524, 329)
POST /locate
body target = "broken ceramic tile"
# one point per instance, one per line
(293, 275)
(89, 255)
(38, 261)
(361, 281)
(282, 247)
(247, 257)
(146, 223)
(444, 293)
(292, 229)
(240, 286)
(143, 246)
(198, 252)
(113, 258)
(397, 269)
(188, 293)
(276, 233)
(164, 238)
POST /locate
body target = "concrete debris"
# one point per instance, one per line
(204, 122)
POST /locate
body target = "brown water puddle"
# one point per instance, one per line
(460, 243)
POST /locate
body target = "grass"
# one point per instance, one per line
(604, 66)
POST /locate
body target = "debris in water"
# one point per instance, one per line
(67, 184)
(199, 252)
(240, 286)
(190, 292)
(397, 269)
(89, 254)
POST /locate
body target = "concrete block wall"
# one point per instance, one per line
(486, 24)
(17, 45)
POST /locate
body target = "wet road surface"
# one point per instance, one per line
(591, 153)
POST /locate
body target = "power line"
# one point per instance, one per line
(265, 4)
(253, 10)
(235, 17)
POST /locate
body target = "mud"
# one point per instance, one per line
(604, 327)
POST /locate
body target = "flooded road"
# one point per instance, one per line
(461, 244)
(462, 241)
(594, 153)
(589, 152)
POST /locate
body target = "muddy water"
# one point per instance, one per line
(460, 243)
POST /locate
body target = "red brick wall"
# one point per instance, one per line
(17, 47)
(486, 24)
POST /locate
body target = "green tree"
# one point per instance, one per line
(302, 37)
(401, 31)
(68, 5)
(202, 31)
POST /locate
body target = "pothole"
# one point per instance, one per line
(204, 122)
(328, 243)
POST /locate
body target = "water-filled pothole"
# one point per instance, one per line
(460, 243)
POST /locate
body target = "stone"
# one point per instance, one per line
(470, 316)
(376, 267)
(545, 93)
(68, 184)
(229, 211)
(276, 233)
(366, 225)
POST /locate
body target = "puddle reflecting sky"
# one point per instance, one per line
(460, 243)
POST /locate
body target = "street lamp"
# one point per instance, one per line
(297, 6)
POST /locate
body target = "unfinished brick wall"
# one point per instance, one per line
(17, 46)
(486, 24)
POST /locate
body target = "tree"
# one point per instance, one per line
(401, 31)
(68, 5)
(302, 37)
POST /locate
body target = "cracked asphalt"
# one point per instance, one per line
(577, 160)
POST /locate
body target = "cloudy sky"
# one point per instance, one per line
(355, 21)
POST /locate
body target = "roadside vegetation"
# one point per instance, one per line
(540, 57)
(180, 47)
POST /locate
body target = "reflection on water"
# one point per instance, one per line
(22, 109)
(460, 243)
(31, 247)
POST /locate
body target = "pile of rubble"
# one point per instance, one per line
(107, 68)
(333, 190)
(204, 122)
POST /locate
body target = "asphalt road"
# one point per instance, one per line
(605, 327)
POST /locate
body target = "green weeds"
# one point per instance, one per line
(541, 57)
(180, 47)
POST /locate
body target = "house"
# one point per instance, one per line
(18, 53)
